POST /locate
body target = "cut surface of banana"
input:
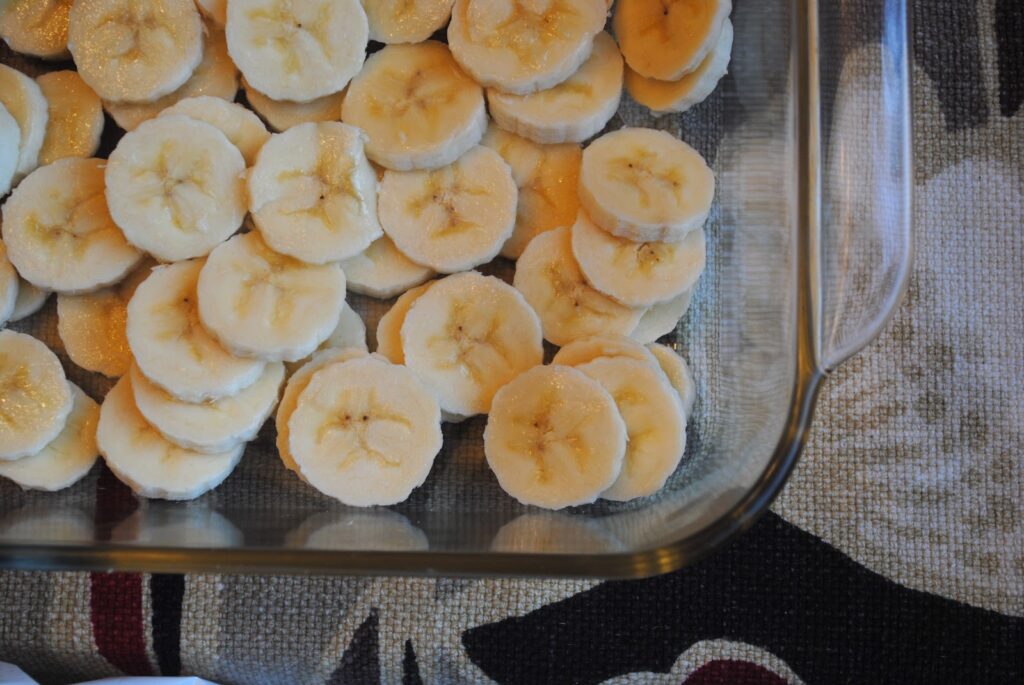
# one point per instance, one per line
(583, 350)
(569, 308)
(36, 27)
(243, 128)
(313, 193)
(662, 318)
(147, 462)
(9, 287)
(170, 345)
(382, 271)
(135, 51)
(571, 111)
(454, 218)
(10, 142)
(547, 177)
(350, 331)
(175, 187)
(419, 109)
(281, 115)
(30, 300)
(554, 438)
(68, 458)
(24, 100)
(655, 424)
(678, 373)
(667, 40)
(259, 303)
(467, 336)
(406, 21)
(75, 121)
(389, 327)
(297, 51)
(36, 396)
(645, 185)
(59, 232)
(522, 47)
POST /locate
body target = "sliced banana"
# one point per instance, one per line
(382, 271)
(569, 308)
(25, 102)
(36, 27)
(389, 327)
(467, 336)
(170, 345)
(263, 304)
(30, 300)
(175, 187)
(655, 424)
(406, 21)
(666, 40)
(522, 47)
(313, 193)
(68, 458)
(36, 396)
(75, 122)
(350, 331)
(663, 97)
(678, 373)
(281, 115)
(571, 111)
(300, 50)
(554, 438)
(58, 230)
(214, 10)
(645, 185)
(134, 51)
(583, 350)
(547, 177)
(365, 432)
(662, 318)
(454, 218)
(10, 142)
(148, 463)
(9, 287)
(420, 110)
(243, 128)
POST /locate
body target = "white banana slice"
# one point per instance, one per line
(59, 233)
(350, 331)
(243, 128)
(382, 271)
(25, 102)
(583, 350)
(569, 308)
(68, 458)
(554, 438)
(522, 47)
(313, 193)
(547, 177)
(678, 373)
(467, 336)
(420, 110)
(655, 424)
(214, 10)
(10, 142)
(30, 300)
(36, 396)
(406, 21)
(389, 327)
(135, 51)
(9, 287)
(281, 115)
(175, 187)
(36, 27)
(667, 40)
(365, 432)
(572, 111)
(147, 462)
(170, 345)
(663, 97)
(75, 122)
(662, 318)
(645, 185)
(297, 50)
(259, 303)
(454, 218)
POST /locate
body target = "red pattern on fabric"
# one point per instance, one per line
(115, 606)
(733, 672)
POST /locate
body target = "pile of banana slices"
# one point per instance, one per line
(205, 263)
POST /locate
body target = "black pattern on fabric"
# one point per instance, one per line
(166, 591)
(360, 664)
(410, 669)
(1009, 30)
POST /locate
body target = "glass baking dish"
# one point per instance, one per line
(808, 254)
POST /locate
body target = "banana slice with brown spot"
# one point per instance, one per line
(666, 39)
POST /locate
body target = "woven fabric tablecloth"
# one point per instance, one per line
(896, 553)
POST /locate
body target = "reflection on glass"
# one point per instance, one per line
(553, 532)
(371, 530)
(174, 525)
(57, 526)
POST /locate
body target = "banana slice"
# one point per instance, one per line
(214, 10)
(678, 373)
(243, 128)
(148, 463)
(583, 350)
(30, 300)
(547, 177)
(68, 458)
(262, 304)
(75, 122)
(668, 40)
(36, 396)
(365, 432)
(655, 424)
(313, 193)
(454, 218)
(662, 318)
(554, 438)
(663, 97)
(36, 27)
(420, 110)
(10, 142)
(522, 47)
(281, 115)
(130, 51)
(389, 327)
(171, 347)
(58, 230)
(569, 308)
(406, 21)
(299, 50)
(9, 287)
(467, 336)
(25, 102)
(175, 187)
(350, 331)
(382, 271)
(571, 111)
(645, 185)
